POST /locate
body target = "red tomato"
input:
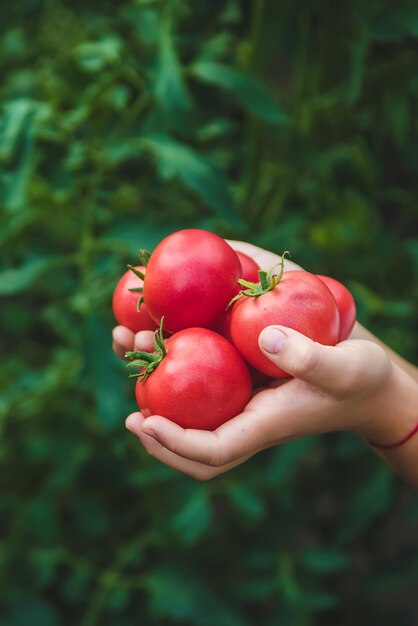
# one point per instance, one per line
(300, 301)
(258, 379)
(345, 303)
(249, 267)
(201, 382)
(191, 277)
(125, 303)
(224, 326)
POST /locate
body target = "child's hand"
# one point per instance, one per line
(358, 385)
(348, 387)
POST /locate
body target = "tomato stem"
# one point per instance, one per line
(144, 257)
(136, 272)
(148, 361)
(268, 281)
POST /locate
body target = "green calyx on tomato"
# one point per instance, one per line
(140, 275)
(144, 257)
(268, 281)
(147, 361)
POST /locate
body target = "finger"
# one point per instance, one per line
(242, 436)
(196, 470)
(274, 416)
(144, 341)
(123, 340)
(264, 258)
(342, 369)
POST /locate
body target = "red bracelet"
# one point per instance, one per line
(391, 446)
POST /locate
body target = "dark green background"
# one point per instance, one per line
(288, 124)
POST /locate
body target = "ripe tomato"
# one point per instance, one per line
(300, 300)
(201, 382)
(345, 303)
(191, 277)
(249, 267)
(124, 303)
(249, 272)
(258, 379)
(224, 325)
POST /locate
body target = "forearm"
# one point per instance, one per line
(359, 332)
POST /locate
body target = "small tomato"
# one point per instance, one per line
(125, 303)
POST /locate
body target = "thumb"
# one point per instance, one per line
(323, 366)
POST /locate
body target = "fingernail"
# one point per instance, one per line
(273, 340)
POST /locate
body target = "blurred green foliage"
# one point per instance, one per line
(289, 124)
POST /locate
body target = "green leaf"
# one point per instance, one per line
(286, 458)
(18, 124)
(375, 304)
(216, 47)
(194, 517)
(358, 54)
(248, 503)
(41, 613)
(145, 21)
(259, 588)
(217, 128)
(171, 595)
(395, 25)
(250, 92)
(16, 280)
(169, 87)
(319, 600)
(14, 122)
(177, 160)
(324, 561)
(369, 501)
(129, 234)
(118, 599)
(95, 56)
(102, 376)
(185, 598)
(151, 476)
(232, 12)
(76, 583)
(47, 559)
(13, 225)
(289, 584)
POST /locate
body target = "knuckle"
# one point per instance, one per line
(152, 447)
(350, 381)
(150, 450)
(219, 456)
(216, 459)
(172, 446)
(306, 360)
(205, 475)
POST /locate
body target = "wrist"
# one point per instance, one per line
(393, 413)
(386, 447)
